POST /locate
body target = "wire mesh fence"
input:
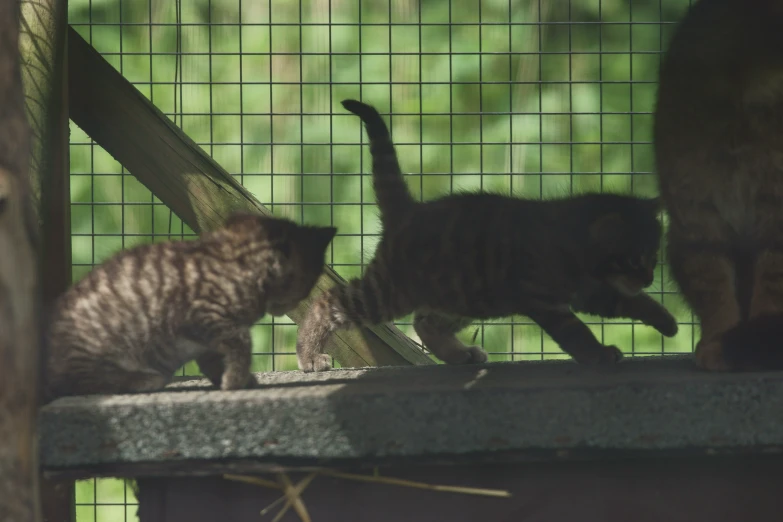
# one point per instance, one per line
(532, 98)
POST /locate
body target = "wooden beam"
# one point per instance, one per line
(43, 48)
(19, 303)
(138, 135)
(43, 43)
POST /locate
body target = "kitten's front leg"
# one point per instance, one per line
(607, 302)
(228, 366)
(649, 311)
(574, 337)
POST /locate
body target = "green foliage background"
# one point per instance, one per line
(483, 96)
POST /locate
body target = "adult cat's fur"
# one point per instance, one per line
(132, 321)
(719, 153)
(476, 256)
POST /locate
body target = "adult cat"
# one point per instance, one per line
(719, 153)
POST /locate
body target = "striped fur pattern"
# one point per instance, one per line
(479, 255)
(130, 323)
(718, 136)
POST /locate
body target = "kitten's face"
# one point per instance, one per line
(303, 254)
(292, 256)
(625, 248)
(631, 273)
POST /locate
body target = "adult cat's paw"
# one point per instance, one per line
(319, 362)
(709, 356)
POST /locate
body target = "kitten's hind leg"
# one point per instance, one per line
(228, 367)
(324, 317)
(437, 332)
(103, 378)
(574, 337)
(211, 365)
(141, 381)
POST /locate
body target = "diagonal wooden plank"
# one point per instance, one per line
(138, 135)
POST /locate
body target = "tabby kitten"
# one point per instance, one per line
(135, 319)
(478, 256)
(719, 152)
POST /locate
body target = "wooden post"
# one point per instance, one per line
(19, 299)
(44, 48)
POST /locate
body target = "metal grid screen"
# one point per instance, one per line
(526, 97)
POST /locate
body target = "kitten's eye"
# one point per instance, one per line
(636, 263)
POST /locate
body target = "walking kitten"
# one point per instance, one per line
(134, 320)
(719, 152)
(477, 256)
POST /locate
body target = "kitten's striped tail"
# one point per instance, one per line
(756, 344)
(361, 302)
(391, 192)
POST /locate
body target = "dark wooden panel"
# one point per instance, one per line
(714, 490)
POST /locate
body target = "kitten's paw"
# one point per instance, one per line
(460, 354)
(709, 356)
(602, 355)
(667, 326)
(477, 355)
(235, 381)
(317, 363)
(610, 355)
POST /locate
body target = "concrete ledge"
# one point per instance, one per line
(547, 410)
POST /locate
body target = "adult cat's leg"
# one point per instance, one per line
(767, 295)
(574, 337)
(607, 302)
(706, 276)
(228, 366)
(368, 301)
(437, 332)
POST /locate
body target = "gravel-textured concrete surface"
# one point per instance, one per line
(417, 411)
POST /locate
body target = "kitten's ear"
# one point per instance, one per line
(320, 237)
(606, 228)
